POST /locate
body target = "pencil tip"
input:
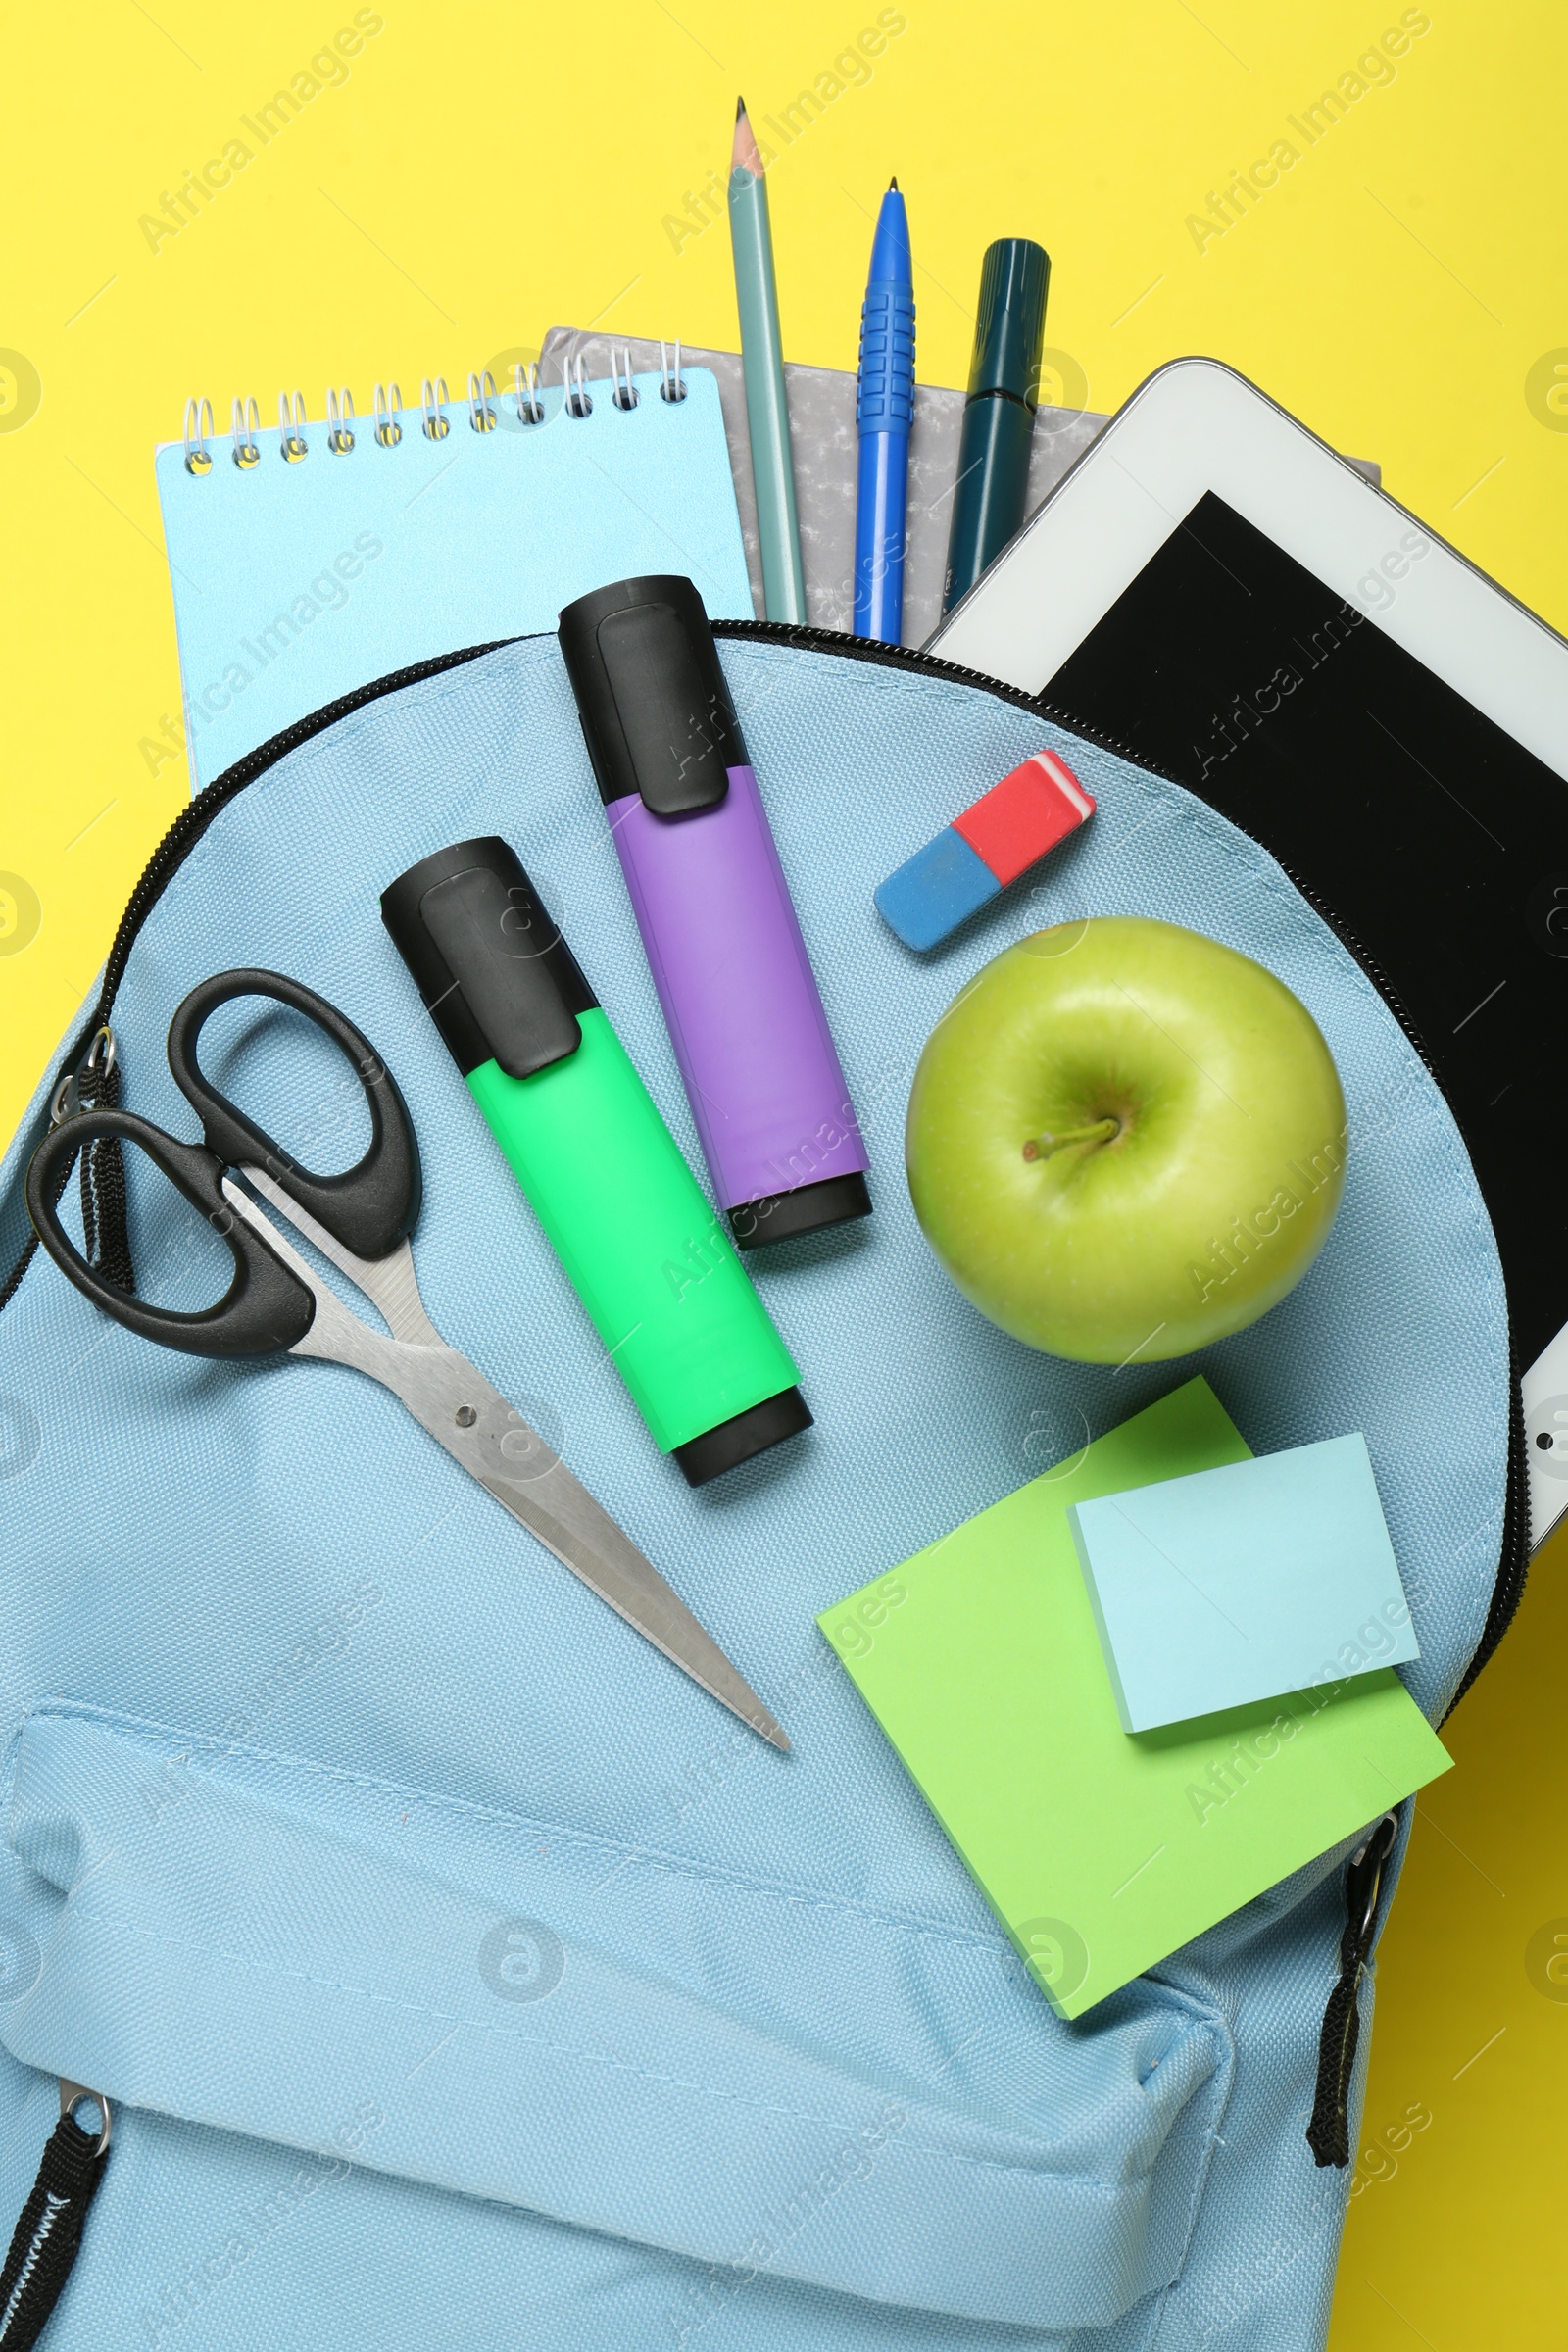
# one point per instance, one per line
(893, 183)
(745, 154)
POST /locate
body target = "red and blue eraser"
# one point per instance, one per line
(998, 837)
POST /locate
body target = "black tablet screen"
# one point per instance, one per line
(1433, 837)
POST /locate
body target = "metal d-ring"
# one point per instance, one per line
(71, 2096)
(66, 1101)
(105, 1037)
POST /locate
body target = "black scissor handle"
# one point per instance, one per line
(370, 1207)
(265, 1308)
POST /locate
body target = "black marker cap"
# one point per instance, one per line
(1009, 333)
(656, 711)
(753, 1432)
(498, 979)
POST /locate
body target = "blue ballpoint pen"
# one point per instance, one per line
(884, 410)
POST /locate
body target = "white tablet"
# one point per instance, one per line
(1213, 591)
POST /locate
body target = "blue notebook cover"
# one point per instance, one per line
(297, 581)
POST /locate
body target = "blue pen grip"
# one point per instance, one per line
(885, 395)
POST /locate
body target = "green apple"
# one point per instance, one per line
(1125, 1140)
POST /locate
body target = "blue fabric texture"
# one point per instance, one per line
(459, 1973)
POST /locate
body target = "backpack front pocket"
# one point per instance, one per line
(521, 2013)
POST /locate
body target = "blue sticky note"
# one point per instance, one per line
(1243, 1583)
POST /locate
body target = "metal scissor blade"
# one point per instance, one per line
(499, 1450)
(451, 1398)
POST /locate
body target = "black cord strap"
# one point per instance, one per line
(48, 2231)
(105, 1235)
(1328, 2135)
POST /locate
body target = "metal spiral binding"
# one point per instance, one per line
(340, 420)
(434, 397)
(483, 399)
(578, 401)
(291, 428)
(198, 424)
(247, 424)
(531, 408)
(623, 391)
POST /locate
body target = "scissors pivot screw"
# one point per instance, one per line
(465, 1416)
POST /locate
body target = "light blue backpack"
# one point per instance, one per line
(455, 1971)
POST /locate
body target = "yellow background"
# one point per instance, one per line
(486, 171)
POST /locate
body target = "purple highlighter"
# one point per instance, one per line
(762, 1077)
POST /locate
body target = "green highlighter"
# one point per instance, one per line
(644, 1249)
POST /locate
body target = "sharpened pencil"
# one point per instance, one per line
(767, 419)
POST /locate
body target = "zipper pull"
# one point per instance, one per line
(93, 1079)
(93, 1084)
(1328, 2135)
(48, 2233)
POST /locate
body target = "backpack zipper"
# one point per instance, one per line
(193, 822)
(175, 846)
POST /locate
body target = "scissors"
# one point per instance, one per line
(360, 1222)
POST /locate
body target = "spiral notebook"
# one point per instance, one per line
(308, 560)
(823, 444)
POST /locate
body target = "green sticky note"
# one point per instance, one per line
(1102, 1851)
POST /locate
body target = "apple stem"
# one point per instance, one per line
(1041, 1147)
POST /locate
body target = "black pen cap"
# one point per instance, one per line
(498, 979)
(1009, 333)
(656, 711)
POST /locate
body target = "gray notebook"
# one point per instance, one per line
(823, 440)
